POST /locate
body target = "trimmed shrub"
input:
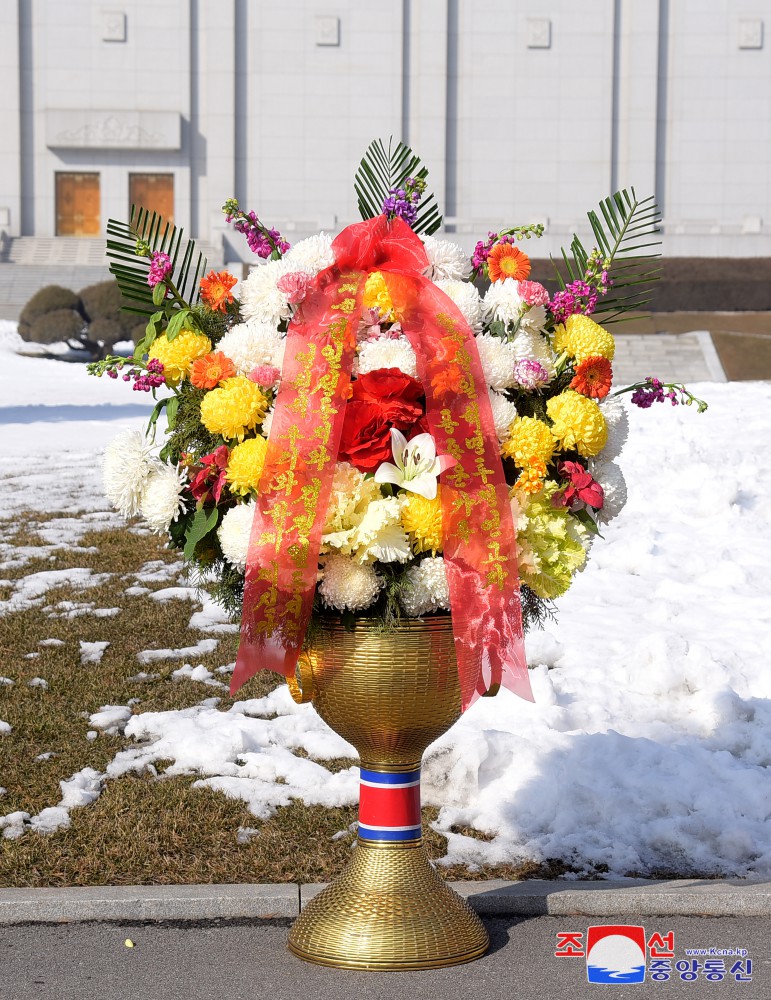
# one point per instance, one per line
(52, 298)
(103, 301)
(55, 326)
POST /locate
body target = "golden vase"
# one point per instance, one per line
(390, 694)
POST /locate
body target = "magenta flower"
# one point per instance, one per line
(530, 375)
(581, 488)
(160, 268)
(265, 376)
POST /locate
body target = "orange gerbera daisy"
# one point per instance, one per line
(215, 290)
(593, 377)
(209, 371)
(507, 261)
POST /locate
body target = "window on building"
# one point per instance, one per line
(77, 205)
(155, 192)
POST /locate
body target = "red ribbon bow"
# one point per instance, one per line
(479, 545)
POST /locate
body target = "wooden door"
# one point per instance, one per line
(77, 205)
(155, 192)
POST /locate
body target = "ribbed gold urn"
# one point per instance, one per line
(390, 694)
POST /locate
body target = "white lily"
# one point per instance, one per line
(417, 464)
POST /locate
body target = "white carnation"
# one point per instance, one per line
(529, 345)
(466, 298)
(126, 467)
(261, 299)
(385, 353)
(446, 261)
(162, 499)
(380, 534)
(504, 412)
(348, 585)
(311, 255)
(251, 344)
(425, 588)
(234, 533)
(611, 479)
(498, 360)
(617, 419)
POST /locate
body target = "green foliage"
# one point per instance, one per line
(189, 434)
(131, 269)
(52, 327)
(628, 229)
(381, 170)
(535, 610)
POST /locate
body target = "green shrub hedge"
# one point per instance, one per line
(57, 325)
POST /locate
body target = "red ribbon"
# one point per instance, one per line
(296, 482)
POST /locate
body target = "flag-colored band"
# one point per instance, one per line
(389, 805)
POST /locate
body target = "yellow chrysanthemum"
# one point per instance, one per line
(233, 408)
(245, 465)
(580, 338)
(178, 355)
(578, 423)
(376, 295)
(529, 439)
(422, 520)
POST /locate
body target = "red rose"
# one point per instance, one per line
(380, 400)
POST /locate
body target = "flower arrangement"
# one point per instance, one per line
(544, 363)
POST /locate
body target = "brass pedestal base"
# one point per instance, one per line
(388, 910)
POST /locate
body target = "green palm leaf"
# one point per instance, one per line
(381, 170)
(131, 271)
(627, 235)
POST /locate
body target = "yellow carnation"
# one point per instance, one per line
(245, 465)
(178, 355)
(529, 439)
(578, 423)
(581, 338)
(422, 520)
(233, 408)
(376, 294)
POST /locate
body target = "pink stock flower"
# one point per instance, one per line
(294, 285)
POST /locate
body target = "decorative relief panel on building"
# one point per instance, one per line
(113, 26)
(76, 129)
(538, 33)
(750, 33)
(327, 30)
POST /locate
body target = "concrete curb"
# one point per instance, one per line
(609, 898)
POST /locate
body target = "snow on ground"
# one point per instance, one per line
(649, 745)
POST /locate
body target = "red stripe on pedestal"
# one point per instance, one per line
(385, 807)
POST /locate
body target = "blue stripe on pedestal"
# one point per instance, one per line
(390, 778)
(394, 833)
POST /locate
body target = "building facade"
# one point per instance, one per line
(523, 111)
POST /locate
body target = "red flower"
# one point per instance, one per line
(379, 400)
(581, 488)
(210, 477)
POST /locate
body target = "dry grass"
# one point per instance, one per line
(141, 829)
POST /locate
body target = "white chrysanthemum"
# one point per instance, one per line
(311, 255)
(261, 299)
(251, 344)
(267, 423)
(503, 302)
(611, 479)
(375, 354)
(529, 345)
(617, 419)
(234, 533)
(126, 467)
(498, 360)
(425, 588)
(466, 298)
(348, 585)
(504, 412)
(162, 499)
(446, 261)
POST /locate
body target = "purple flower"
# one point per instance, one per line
(530, 375)
(652, 391)
(160, 268)
(403, 202)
